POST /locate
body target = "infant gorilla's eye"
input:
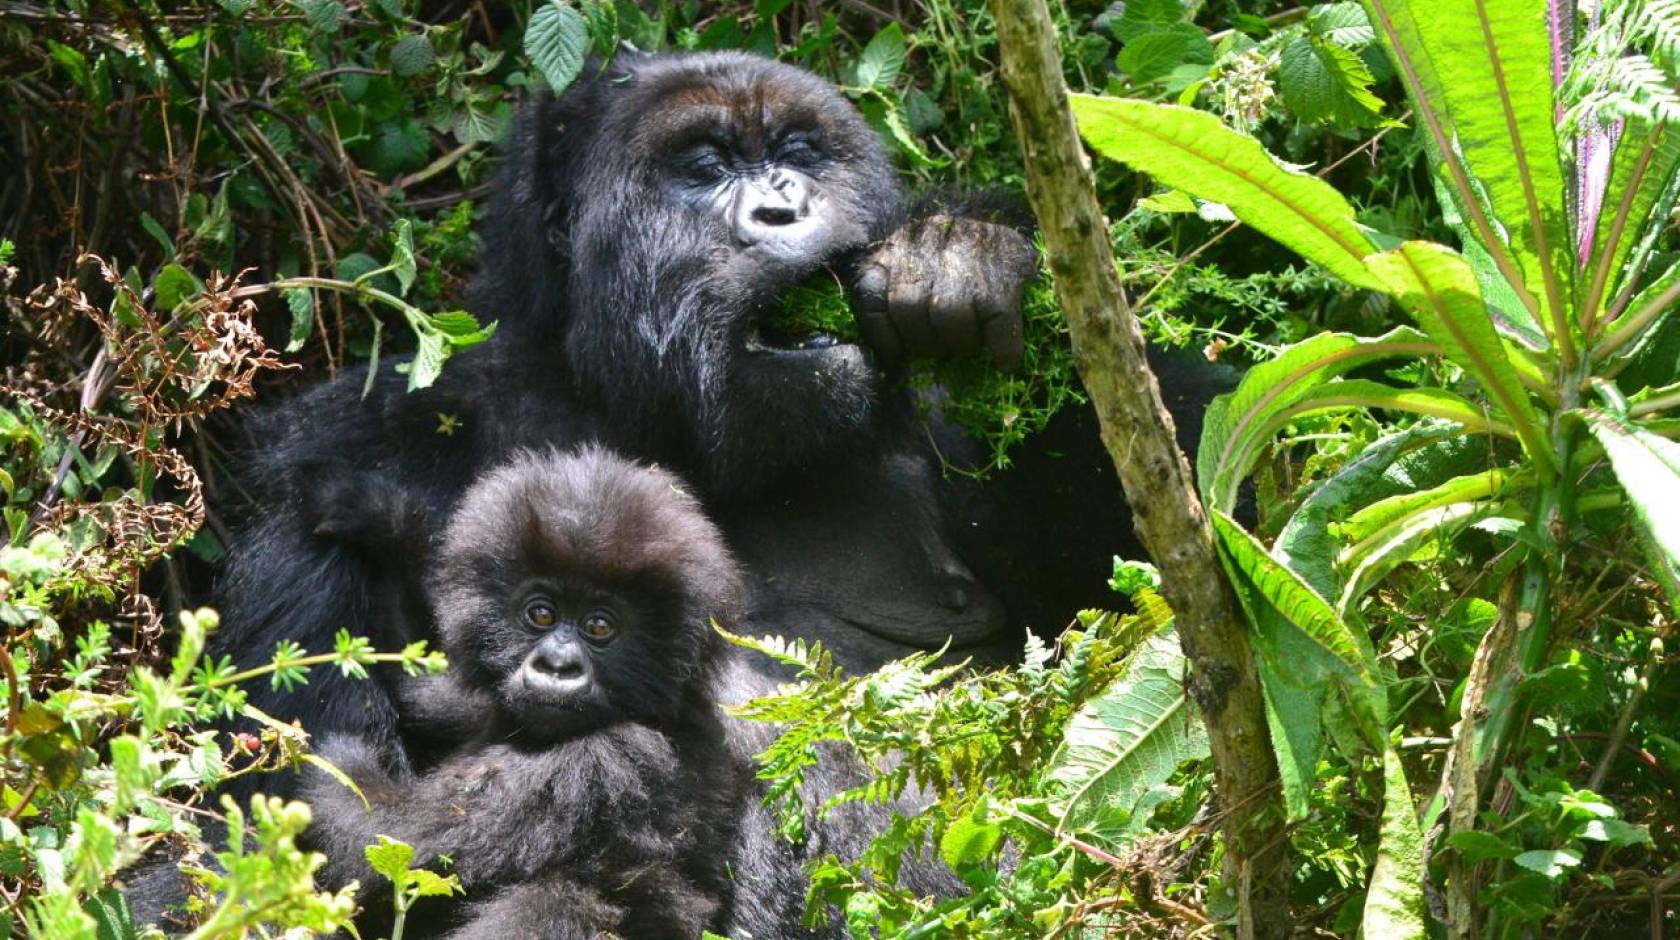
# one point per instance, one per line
(541, 614)
(598, 626)
(799, 148)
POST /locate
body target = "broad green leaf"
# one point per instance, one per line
(390, 858)
(1191, 150)
(1549, 862)
(173, 285)
(412, 55)
(1234, 429)
(1303, 653)
(1481, 70)
(300, 302)
(1390, 512)
(1648, 308)
(429, 357)
(1648, 467)
(1477, 846)
(1290, 596)
(1394, 901)
(1154, 55)
(403, 264)
(882, 59)
(1344, 24)
(968, 841)
(1368, 561)
(1395, 465)
(1323, 82)
(1638, 199)
(430, 884)
(1438, 288)
(1141, 17)
(1364, 393)
(556, 42)
(1126, 740)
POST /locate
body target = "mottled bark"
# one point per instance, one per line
(1137, 431)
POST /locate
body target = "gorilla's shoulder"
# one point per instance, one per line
(374, 426)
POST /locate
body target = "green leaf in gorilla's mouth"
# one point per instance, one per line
(812, 314)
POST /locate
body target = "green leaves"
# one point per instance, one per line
(1323, 81)
(1191, 150)
(1437, 287)
(1648, 468)
(1128, 739)
(1479, 74)
(557, 42)
(882, 59)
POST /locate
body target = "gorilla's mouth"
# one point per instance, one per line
(813, 315)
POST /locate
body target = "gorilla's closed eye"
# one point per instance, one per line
(705, 162)
(540, 613)
(802, 149)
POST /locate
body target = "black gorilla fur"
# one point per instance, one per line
(597, 793)
(637, 815)
(643, 220)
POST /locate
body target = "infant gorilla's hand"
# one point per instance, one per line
(944, 286)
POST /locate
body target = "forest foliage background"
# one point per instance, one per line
(208, 202)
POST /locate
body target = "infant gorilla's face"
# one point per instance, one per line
(571, 635)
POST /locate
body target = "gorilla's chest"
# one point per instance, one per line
(864, 564)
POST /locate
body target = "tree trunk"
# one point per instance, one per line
(1137, 431)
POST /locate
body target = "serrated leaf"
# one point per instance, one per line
(967, 841)
(882, 59)
(1324, 83)
(1143, 16)
(557, 42)
(325, 15)
(1191, 150)
(300, 302)
(424, 883)
(1344, 24)
(428, 361)
(1648, 468)
(403, 263)
(1394, 900)
(390, 858)
(1156, 54)
(412, 55)
(1126, 740)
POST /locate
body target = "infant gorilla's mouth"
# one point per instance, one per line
(812, 316)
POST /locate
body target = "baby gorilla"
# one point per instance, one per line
(573, 595)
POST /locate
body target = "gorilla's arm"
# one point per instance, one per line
(503, 814)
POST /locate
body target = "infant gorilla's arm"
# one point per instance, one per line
(519, 817)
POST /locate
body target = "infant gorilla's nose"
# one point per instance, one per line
(557, 668)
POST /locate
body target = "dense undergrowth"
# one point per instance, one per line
(1463, 579)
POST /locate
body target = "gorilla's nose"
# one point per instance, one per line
(557, 668)
(770, 205)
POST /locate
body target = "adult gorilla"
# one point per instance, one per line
(645, 219)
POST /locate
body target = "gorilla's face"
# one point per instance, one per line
(708, 186)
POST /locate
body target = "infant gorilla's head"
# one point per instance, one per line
(578, 590)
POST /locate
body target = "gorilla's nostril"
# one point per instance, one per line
(775, 215)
